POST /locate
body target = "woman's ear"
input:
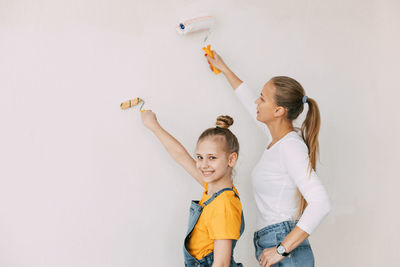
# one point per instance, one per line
(232, 159)
(280, 111)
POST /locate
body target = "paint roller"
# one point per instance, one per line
(199, 24)
(133, 102)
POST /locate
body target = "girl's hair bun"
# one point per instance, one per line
(224, 122)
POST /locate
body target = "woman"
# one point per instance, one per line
(290, 199)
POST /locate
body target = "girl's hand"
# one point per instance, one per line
(149, 120)
(269, 257)
(217, 62)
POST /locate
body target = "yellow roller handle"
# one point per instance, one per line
(208, 51)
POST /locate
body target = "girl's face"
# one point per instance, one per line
(266, 107)
(213, 161)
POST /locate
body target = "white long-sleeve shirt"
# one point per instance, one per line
(281, 170)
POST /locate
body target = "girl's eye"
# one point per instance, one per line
(212, 157)
(199, 157)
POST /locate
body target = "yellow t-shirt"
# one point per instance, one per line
(220, 219)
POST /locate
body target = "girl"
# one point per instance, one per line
(286, 187)
(216, 221)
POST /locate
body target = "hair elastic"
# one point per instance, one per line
(304, 100)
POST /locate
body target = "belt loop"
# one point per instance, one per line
(287, 226)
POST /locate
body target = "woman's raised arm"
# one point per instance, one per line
(246, 96)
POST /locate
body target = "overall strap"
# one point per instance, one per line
(217, 194)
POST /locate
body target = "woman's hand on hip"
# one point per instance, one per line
(269, 257)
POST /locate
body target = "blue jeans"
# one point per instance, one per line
(208, 261)
(272, 235)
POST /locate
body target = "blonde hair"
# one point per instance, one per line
(221, 129)
(289, 94)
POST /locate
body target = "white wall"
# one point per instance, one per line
(82, 183)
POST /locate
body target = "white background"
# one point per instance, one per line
(83, 183)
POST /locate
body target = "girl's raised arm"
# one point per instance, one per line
(173, 147)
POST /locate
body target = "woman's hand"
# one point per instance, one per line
(269, 257)
(217, 62)
(149, 120)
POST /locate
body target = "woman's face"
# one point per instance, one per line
(266, 106)
(212, 160)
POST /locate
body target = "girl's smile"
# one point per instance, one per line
(207, 173)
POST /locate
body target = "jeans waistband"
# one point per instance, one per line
(286, 226)
(191, 260)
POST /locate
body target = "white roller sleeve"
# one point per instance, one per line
(195, 24)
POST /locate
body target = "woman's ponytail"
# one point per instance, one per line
(291, 95)
(310, 130)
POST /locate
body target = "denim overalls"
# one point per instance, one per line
(195, 212)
